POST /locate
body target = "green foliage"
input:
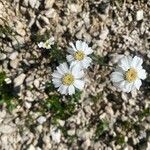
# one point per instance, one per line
(100, 60)
(96, 98)
(2, 78)
(56, 54)
(144, 113)
(102, 127)
(60, 109)
(5, 30)
(6, 95)
(120, 139)
(36, 37)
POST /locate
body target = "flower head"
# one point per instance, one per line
(47, 44)
(79, 54)
(128, 75)
(66, 79)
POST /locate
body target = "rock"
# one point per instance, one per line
(139, 15)
(49, 3)
(56, 135)
(2, 56)
(13, 55)
(14, 63)
(32, 3)
(28, 105)
(8, 80)
(71, 132)
(41, 119)
(29, 80)
(31, 147)
(19, 80)
(6, 129)
(86, 144)
(36, 83)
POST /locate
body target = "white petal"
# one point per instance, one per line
(128, 87)
(64, 67)
(86, 62)
(84, 46)
(77, 72)
(88, 51)
(72, 45)
(56, 82)
(59, 70)
(117, 77)
(142, 74)
(79, 84)
(56, 74)
(74, 63)
(136, 62)
(125, 62)
(79, 45)
(71, 90)
(70, 58)
(138, 83)
(63, 89)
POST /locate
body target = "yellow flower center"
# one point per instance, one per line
(131, 75)
(79, 55)
(68, 79)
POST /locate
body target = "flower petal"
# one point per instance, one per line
(73, 47)
(71, 90)
(138, 83)
(117, 77)
(79, 45)
(136, 62)
(142, 74)
(70, 58)
(77, 72)
(63, 89)
(56, 74)
(79, 84)
(125, 62)
(57, 82)
(86, 62)
(64, 67)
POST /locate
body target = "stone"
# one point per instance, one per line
(36, 83)
(71, 132)
(4, 128)
(31, 147)
(2, 56)
(49, 3)
(139, 15)
(8, 80)
(56, 135)
(32, 3)
(14, 63)
(19, 80)
(28, 105)
(41, 119)
(13, 55)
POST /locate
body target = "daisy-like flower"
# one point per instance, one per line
(79, 54)
(47, 44)
(129, 74)
(66, 79)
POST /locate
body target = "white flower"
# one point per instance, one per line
(79, 54)
(128, 75)
(66, 79)
(56, 134)
(47, 44)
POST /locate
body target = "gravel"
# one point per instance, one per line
(104, 117)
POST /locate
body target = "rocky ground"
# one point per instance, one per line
(33, 115)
